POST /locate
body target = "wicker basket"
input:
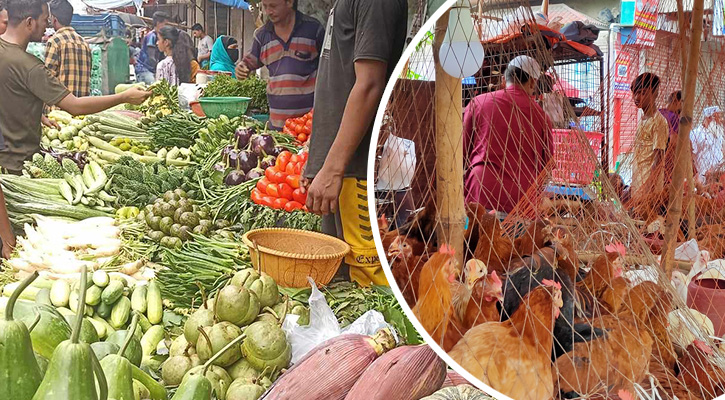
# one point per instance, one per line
(289, 256)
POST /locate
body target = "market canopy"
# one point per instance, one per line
(234, 3)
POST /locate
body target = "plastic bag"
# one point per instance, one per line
(323, 325)
(188, 93)
(687, 251)
(397, 165)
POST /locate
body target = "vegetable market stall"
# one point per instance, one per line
(131, 272)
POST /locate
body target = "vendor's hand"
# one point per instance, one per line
(49, 122)
(8, 248)
(135, 96)
(241, 71)
(324, 191)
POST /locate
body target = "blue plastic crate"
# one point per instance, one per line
(92, 25)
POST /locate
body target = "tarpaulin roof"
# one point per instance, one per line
(234, 3)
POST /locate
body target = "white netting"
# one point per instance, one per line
(624, 330)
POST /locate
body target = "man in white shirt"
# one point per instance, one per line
(203, 48)
(708, 142)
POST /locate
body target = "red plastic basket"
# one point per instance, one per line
(572, 165)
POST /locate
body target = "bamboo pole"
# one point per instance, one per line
(672, 223)
(449, 150)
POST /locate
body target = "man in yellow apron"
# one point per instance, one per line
(363, 42)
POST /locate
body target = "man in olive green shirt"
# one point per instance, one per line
(26, 86)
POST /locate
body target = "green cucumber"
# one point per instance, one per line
(120, 313)
(112, 292)
(138, 299)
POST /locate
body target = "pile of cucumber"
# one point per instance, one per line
(109, 302)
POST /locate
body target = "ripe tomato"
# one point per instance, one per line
(262, 184)
(299, 195)
(268, 201)
(295, 158)
(298, 168)
(279, 203)
(304, 156)
(301, 137)
(293, 180)
(292, 205)
(256, 196)
(279, 177)
(308, 124)
(273, 190)
(269, 174)
(285, 191)
(290, 168)
(282, 160)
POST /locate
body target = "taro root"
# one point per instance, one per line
(216, 338)
(237, 305)
(266, 346)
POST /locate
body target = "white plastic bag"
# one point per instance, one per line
(397, 165)
(687, 251)
(188, 93)
(323, 325)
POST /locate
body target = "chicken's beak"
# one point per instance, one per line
(393, 253)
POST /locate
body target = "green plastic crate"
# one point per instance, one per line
(230, 106)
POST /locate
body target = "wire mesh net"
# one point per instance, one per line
(535, 268)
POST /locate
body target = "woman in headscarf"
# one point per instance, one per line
(224, 54)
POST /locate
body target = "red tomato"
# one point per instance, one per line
(308, 124)
(295, 158)
(273, 190)
(301, 137)
(279, 203)
(286, 130)
(257, 196)
(293, 180)
(279, 177)
(262, 184)
(285, 191)
(298, 168)
(292, 205)
(282, 160)
(299, 195)
(290, 168)
(304, 156)
(269, 174)
(268, 201)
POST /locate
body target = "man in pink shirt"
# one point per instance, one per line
(507, 139)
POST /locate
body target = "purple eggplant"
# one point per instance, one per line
(246, 160)
(235, 178)
(233, 159)
(267, 162)
(277, 150)
(255, 173)
(243, 136)
(263, 144)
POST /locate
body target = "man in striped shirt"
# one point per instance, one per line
(68, 55)
(289, 46)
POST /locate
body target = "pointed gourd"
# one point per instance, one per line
(19, 371)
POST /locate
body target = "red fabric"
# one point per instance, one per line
(508, 141)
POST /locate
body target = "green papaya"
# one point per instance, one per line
(193, 387)
(118, 370)
(19, 370)
(43, 297)
(74, 368)
(42, 363)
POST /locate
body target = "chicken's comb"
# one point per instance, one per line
(702, 346)
(625, 395)
(617, 247)
(496, 279)
(492, 212)
(549, 282)
(447, 249)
